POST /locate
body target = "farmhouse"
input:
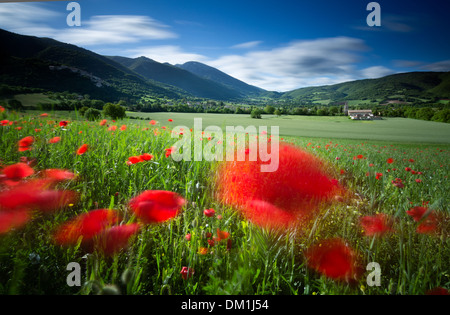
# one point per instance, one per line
(363, 114)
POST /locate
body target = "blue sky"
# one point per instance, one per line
(276, 45)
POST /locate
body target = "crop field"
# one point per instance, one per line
(102, 207)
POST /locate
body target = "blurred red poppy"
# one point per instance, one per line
(187, 272)
(85, 227)
(156, 206)
(123, 127)
(209, 212)
(334, 259)
(134, 160)
(390, 160)
(169, 151)
(58, 174)
(12, 219)
(54, 140)
(112, 240)
(63, 123)
(16, 172)
(376, 225)
(293, 192)
(146, 157)
(222, 235)
(26, 143)
(81, 150)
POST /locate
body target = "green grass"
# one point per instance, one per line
(258, 262)
(388, 129)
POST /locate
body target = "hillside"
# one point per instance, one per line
(425, 85)
(220, 77)
(51, 65)
(195, 85)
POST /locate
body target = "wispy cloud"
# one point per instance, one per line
(247, 45)
(443, 66)
(32, 19)
(299, 63)
(165, 53)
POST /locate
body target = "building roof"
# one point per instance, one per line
(360, 111)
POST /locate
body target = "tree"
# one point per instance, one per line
(442, 115)
(114, 111)
(83, 110)
(92, 114)
(269, 109)
(425, 113)
(277, 112)
(255, 113)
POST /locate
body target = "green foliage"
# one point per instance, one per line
(114, 111)
(92, 114)
(256, 113)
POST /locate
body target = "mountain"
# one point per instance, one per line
(413, 85)
(52, 65)
(213, 74)
(193, 84)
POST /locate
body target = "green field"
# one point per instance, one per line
(246, 258)
(388, 129)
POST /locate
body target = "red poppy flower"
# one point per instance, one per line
(26, 143)
(152, 122)
(408, 169)
(222, 235)
(81, 150)
(378, 175)
(334, 259)
(85, 226)
(390, 161)
(417, 213)
(427, 218)
(54, 140)
(63, 123)
(146, 157)
(134, 160)
(2, 109)
(169, 151)
(59, 174)
(170, 119)
(438, 291)
(112, 128)
(44, 115)
(112, 240)
(51, 200)
(4, 122)
(17, 171)
(295, 190)
(209, 212)
(13, 219)
(123, 127)
(376, 225)
(103, 122)
(187, 272)
(156, 206)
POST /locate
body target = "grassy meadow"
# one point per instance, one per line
(388, 167)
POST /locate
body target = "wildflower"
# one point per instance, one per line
(112, 240)
(187, 272)
(54, 140)
(44, 115)
(408, 169)
(63, 123)
(170, 120)
(112, 128)
(202, 250)
(427, 219)
(398, 183)
(378, 175)
(152, 122)
(134, 160)
(390, 161)
(59, 174)
(85, 226)
(26, 143)
(12, 219)
(209, 212)
(16, 172)
(222, 235)
(103, 122)
(146, 157)
(376, 225)
(169, 151)
(334, 259)
(123, 127)
(156, 206)
(418, 180)
(4, 122)
(81, 150)
(292, 192)
(188, 237)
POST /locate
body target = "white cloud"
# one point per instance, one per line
(247, 45)
(443, 66)
(165, 53)
(32, 19)
(297, 64)
(375, 72)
